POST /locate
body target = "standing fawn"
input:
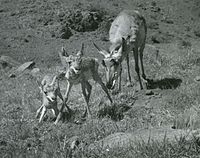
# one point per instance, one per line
(127, 33)
(80, 70)
(50, 90)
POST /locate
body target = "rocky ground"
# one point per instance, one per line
(35, 30)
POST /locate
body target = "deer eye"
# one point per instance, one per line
(103, 63)
(70, 62)
(45, 92)
(115, 51)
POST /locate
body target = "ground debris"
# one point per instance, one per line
(197, 78)
(149, 92)
(125, 140)
(7, 61)
(22, 68)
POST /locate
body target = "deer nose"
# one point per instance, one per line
(51, 99)
(109, 85)
(77, 69)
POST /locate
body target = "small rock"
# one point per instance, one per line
(73, 142)
(65, 33)
(153, 25)
(12, 75)
(149, 92)
(8, 61)
(61, 14)
(26, 40)
(21, 68)
(197, 32)
(168, 21)
(35, 71)
(197, 78)
(2, 10)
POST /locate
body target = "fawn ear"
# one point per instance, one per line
(64, 52)
(101, 51)
(80, 53)
(63, 55)
(39, 85)
(53, 81)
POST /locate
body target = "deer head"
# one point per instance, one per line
(112, 62)
(73, 62)
(49, 90)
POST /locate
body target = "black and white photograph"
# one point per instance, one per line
(99, 78)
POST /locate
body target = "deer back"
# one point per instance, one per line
(128, 23)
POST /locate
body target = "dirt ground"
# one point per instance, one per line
(35, 30)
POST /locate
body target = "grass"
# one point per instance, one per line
(22, 136)
(176, 105)
(53, 146)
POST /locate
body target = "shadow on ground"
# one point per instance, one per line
(166, 83)
(115, 112)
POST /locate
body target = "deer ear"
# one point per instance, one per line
(80, 53)
(103, 63)
(64, 52)
(123, 44)
(101, 51)
(39, 85)
(54, 80)
(63, 55)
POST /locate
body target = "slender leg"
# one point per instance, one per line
(55, 111)
(128, 67)
(141, 61)
(69, 86)
(137, 69)
(86, 96)
(120, 78)
(44, 110)
(89, 89)
(61, 97)
(98, 79)
(39, 111)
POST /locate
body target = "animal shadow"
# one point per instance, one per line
(66, 116)
(115, 112)
(166, 83)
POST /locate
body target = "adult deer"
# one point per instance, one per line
(80, 71)
(127, 33)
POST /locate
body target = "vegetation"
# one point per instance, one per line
(30, 31)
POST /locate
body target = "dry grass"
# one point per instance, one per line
(176, 94)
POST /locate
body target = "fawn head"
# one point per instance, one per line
(72, 61)
(49, 90)
(112, 62)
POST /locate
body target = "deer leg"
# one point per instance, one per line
(55, 111)
(128, 67)
(69, 86)
(120, 78)
(44, 110)
(85, 85)
(39, 111)
(98, 79)
(141, 61)
(137, 69)
(89, 89)
(61, 97)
